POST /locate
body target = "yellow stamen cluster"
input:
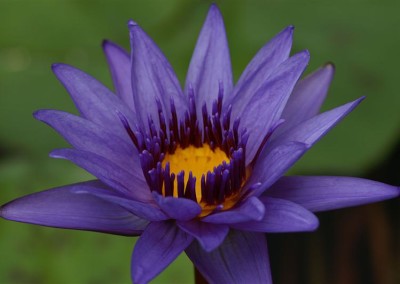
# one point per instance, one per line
(198, 160)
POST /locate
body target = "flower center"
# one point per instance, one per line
(199, 161)
(202, 159)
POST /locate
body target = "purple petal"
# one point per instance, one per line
(281, 216)
(307, 97)
(242, 258)
(265, 107)
(94, 101)
(61, 208)
(210, 236)
(178, 208)
(120, 67)
(322, 193)
(108, 172)
(87, 136)
(269, 163)
(153, 79)
(270, 168)
(210, 65)
(260, 68)
(158, 246)
(148, 211)
(251, 209)
(312, 130)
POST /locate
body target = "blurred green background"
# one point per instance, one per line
(362, 38)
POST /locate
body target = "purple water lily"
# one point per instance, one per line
(198, 170)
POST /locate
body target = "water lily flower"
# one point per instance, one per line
(199, 170)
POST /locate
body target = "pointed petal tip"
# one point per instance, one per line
(132, 23)
(301, 58)
(60, 69)
(286, 34)
(106, 43)
(37, 114)
(355, 103)
(2, 211)
(43, 114)
(5, 211)
(109, 49)
(133, 28)
(314, 224)
(209, 236)
(304, 58)
(214, 13)
(329, 65)
(304, 53)
(55, 67)
(8, 211)
(259, 208)
(214, 8)
(46, 115)
(110, 46)
(56, 154)
(209, 247)
(136, 33)
(289, 29)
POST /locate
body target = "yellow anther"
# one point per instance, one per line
(197, 160)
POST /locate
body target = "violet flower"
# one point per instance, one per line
(199, 170)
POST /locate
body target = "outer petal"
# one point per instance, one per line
(312, 130)
(210, 236)
(108, 172)
(269, 169)
(153, 79)
(322, 193)
(251, 209)
(281, 216)
(88, 136)
(210, 65)
(242, 258)
(266, 106)
(148, 211)
(158, 246)
(307, 97)
(61, 208)
(94, 101)
(178, 208)
(120, 67)
(270, 166)
(260, 68)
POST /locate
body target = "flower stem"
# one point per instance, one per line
(198, 278)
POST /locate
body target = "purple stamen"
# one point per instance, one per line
(180, 178)
(190, 191)
(216, 185)
(224, 186)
